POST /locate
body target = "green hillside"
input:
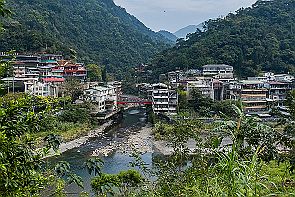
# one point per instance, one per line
(98, 30)
(260, 38)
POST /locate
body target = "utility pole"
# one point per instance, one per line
(13, 84)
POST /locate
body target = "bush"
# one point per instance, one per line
(75, 115)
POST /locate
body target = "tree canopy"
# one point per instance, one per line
(98, 30)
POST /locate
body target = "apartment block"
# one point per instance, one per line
(26, 66)
(218, 71)
(105, 97)
(164, 99)
(277, 92)
(205, 86)
(253, 95)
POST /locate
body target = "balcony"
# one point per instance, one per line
(160, 103)
(160, 97)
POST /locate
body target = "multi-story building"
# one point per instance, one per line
(164, 99)
(47, 64)
(253, 95)
(26, 66)
(277, 92)
(118, 86)
(105, 97)
(43, 89)
(232, 90)
(219, 71)
(175, 75)
(269, 76)
(202, 85)
(284, 78)
(70, 69)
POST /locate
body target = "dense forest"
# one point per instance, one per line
(98, 30)
(255, 39)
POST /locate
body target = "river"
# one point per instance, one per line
(133, 120)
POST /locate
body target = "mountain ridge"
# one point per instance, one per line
(183, 32)
(168, 35)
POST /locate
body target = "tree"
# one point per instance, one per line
(124, 181)
(104, 74)
(246, 40)
(112, 37)
(3, 10)
(200, 103)
(94, 72)
(20, 164)
(73, 88)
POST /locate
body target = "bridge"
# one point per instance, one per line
(128, 99)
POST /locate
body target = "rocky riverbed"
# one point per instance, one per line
(82, 140)
(142, 142)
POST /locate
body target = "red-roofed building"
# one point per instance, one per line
(69, 69)
(53, 79)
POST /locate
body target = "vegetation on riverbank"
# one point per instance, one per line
(254, 164)
(258, 160)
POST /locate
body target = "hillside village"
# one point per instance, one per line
(45, 75)
(258, 94)
(95, 102)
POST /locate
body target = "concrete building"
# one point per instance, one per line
(277, 92)
(218, 71)
(284, 78)
(43, 89)
(253, 95)
(232, 90)
(70, 69)
(164, 99)
(175, 75)
(118, 86)
(105, 98)
(25, 66)
(202, 85)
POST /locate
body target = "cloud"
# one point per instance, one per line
(174, 14)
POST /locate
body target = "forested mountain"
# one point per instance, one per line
(260, 38)
(98, 30)
(168, 35)
(187, 30)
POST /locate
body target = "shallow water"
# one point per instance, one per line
(133, 120)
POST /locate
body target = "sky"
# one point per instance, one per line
(173, 15)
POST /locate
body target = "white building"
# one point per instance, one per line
(219, 71)
(105, 97)
(269, 76)
(118, 86)
(284, 78)
(42, 89)
(204, 86)
(164, 99)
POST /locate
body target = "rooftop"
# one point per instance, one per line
(161, 85)
(277, 83)
(251, 82)
(217, 65)
(53, 79)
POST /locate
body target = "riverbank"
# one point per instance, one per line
(76, 143)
